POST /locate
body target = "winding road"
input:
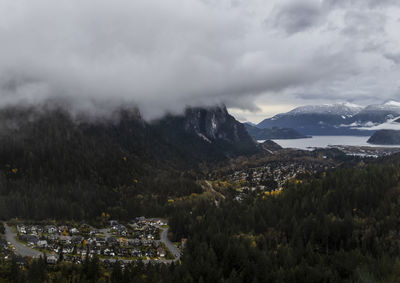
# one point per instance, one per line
(20, 249)
(172, 248)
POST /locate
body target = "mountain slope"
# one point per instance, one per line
(274, 133)
(59, 166)
(199, 135)
(270, 146)
(385, 137)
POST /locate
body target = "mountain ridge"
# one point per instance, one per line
(119, 163)
(334, 119)
(213, 130)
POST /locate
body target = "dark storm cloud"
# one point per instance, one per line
(298, 16)
(164, 55)
(395, 58)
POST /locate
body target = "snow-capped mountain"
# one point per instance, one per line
(335, 119)
(341, 109)
(390, 105)
(323, 119)
(378, 113)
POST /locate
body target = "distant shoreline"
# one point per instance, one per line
(328, 141)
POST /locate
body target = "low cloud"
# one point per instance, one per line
(395, 58)
(164, 55)
(390, 125)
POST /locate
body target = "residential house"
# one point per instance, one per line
(51, 229)
(51, 259)
(74, 231)
(42, 244)
(161, 252)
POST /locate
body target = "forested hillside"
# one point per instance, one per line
(385, 137)
(55, 165)
(342, 227)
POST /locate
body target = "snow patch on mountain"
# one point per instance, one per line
(392, 103)
(390, 106)
(342, 109)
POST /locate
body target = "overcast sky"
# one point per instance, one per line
(258, 57)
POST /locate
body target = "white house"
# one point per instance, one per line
(51, 259)
(42, 244)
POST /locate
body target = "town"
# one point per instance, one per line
(268, 179)
(367, 151)
(142, 239)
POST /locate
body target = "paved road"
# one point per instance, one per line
(173, 249)
(20, 249)
(213, 190)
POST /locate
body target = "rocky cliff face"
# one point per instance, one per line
(207, 131)
(215, 124)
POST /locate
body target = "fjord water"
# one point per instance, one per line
(325, 141)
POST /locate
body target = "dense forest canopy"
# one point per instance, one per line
(342, 227)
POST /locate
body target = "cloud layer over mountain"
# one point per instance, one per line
(163, 55)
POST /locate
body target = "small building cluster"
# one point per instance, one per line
(268, 179)
(367, 151)
(139, 239)
(5, 249)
